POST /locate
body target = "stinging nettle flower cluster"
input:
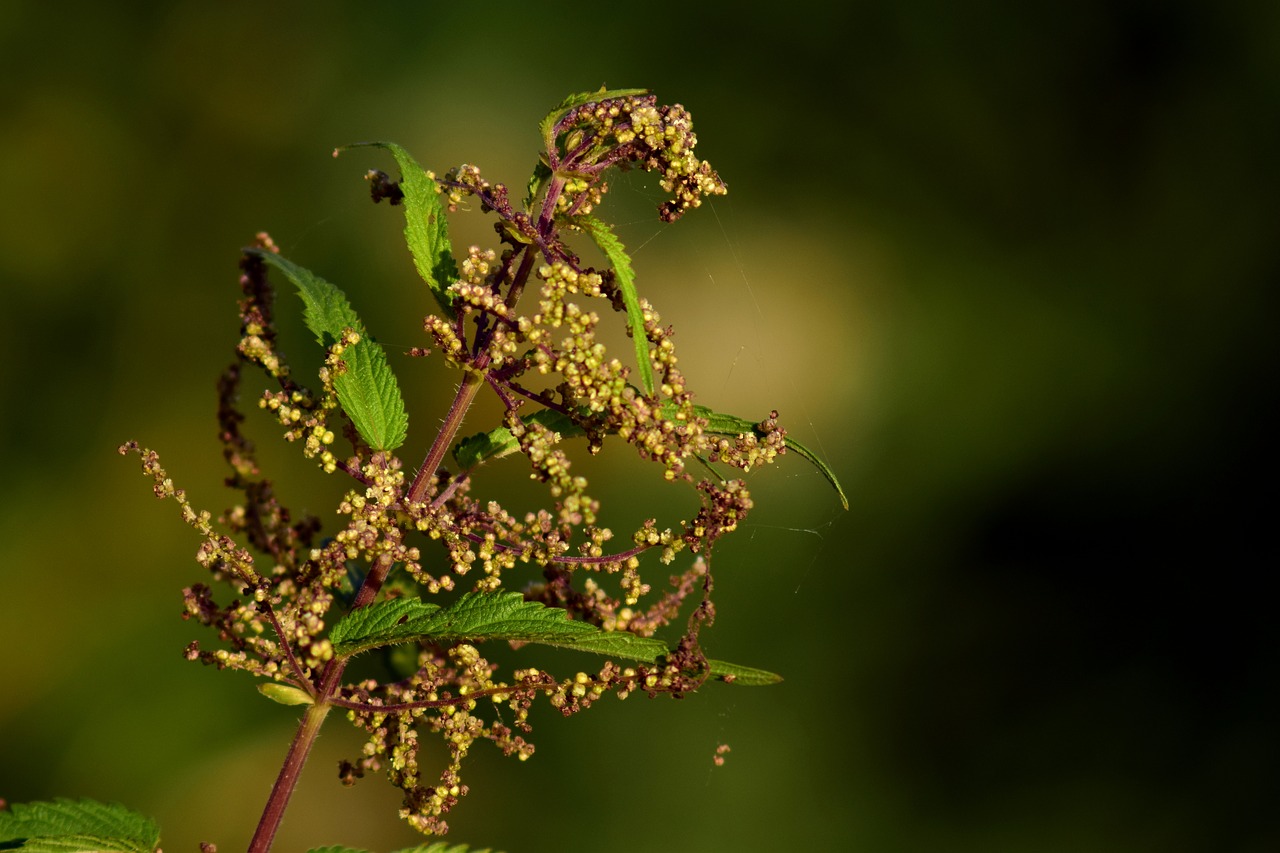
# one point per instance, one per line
(421, 570)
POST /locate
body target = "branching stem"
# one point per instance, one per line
(596, 138)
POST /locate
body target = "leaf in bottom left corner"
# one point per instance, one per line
(76, 826)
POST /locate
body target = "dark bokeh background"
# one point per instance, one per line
(1009, 267)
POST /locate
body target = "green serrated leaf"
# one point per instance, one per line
(474, 616)
(76, 826)
(618, 644)
(377, 625)
(504, 616)
(426, 230)
(626, 278)
(367, 390)
(548, 125)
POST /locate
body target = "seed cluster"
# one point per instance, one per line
(632, 131)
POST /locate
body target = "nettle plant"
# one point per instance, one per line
(423, 571)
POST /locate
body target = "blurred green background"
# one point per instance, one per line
(1010, 267)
